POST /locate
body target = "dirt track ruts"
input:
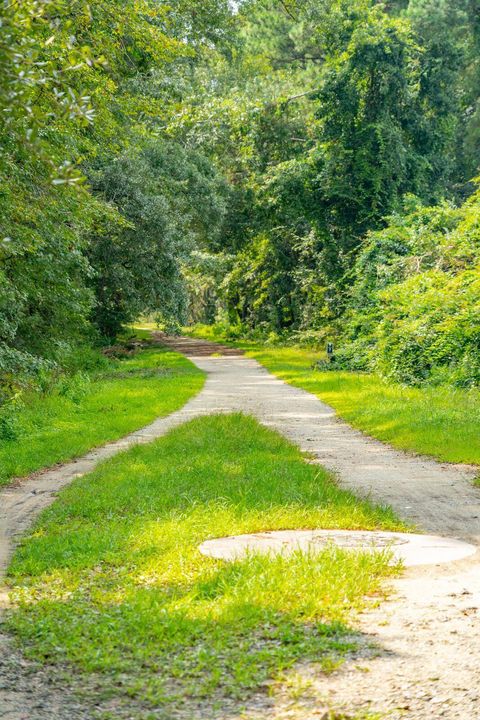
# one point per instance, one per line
(428, 662)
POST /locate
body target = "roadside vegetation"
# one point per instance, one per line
(110, 582)
(441, 421)
(99, 208)
(104, 399)
(294, 169)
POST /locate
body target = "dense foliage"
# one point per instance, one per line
(250, 162)
(171, 200)
(97, 212)
(332, 121)
(414, 310)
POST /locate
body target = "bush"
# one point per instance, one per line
(10, 425)
(415, 305)
(431, 329)
(74, 387)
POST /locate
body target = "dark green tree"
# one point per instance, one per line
(170, 201)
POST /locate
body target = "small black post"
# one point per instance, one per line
(330, 352)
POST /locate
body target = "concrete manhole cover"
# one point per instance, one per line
(411, 549)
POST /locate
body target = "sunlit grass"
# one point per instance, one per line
(111, 581)
(440, 421)
(118, 399)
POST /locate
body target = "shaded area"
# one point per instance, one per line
(196, 348)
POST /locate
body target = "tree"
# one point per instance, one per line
(364, 142)
(80, 84)
(170, 200)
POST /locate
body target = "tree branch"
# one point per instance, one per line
(300, 95)
(288, 11)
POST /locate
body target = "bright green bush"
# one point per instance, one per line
(415, 304)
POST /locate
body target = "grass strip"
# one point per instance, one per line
(83, 412)
(111, 583)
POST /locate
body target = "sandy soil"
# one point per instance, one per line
(420, 657)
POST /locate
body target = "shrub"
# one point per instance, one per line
(74, 387)
(414, 313)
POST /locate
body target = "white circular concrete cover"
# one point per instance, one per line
(410, 549)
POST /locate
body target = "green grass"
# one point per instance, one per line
(84, 412)
(111, 583)
(443, 422)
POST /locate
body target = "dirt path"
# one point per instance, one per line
(428, 662)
